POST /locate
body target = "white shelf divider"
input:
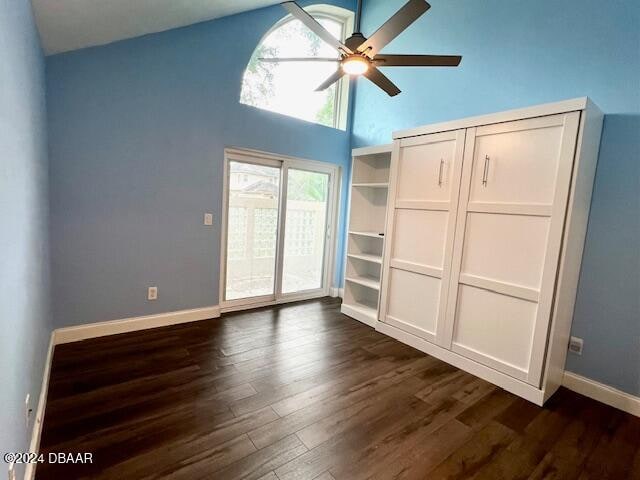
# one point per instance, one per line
(365, 281)
(367, 257)
(371, 185)
(366, 234)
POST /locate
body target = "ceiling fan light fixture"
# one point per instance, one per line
(361, 56)
(355, 65)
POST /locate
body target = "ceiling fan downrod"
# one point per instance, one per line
(358, 17)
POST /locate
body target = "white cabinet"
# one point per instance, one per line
(509, 230)
(424, 200)
(486, 225)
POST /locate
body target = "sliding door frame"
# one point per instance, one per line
(333, 196)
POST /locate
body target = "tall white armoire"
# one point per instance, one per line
(485, 230)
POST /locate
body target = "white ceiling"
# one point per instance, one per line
(71, 24)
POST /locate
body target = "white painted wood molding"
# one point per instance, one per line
(336, 292)
(36, 432)
(602, 393)
(112, 327)
(554, 108)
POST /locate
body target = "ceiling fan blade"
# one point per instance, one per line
(337, 75)
(294, 9)
(377, 77)
(393, 27)
(299, 59)
(417, 60)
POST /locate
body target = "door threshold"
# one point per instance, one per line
(270, 303)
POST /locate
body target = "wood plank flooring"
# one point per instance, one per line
(302, 392)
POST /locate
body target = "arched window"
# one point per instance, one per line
(288, 88)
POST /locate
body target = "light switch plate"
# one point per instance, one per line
(208, 218)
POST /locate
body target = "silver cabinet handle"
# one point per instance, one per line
(485, 173)
(440, 172)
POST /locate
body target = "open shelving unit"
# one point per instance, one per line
(365, 239)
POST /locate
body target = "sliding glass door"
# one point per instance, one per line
(277, 235)
(305, 230)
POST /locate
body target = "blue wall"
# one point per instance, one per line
(519, 53)
(607, 311)
(137, 132)
(25, 322)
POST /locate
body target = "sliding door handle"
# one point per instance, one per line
(440, 172)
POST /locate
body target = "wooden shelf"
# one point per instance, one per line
(361, 312)
(374, 150)
(371, 185)
(365, 281)
(366, 234)
(367, 257)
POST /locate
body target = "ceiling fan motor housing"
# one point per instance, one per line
(354, 41)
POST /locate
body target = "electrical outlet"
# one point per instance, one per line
(208, 218)
(575, 345)
(27, 409)
(152, 293)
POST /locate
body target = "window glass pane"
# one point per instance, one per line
(288, 87)
(305, 230)
(252, 230)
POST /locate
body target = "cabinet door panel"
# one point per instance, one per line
(419, 237)
(517, 165)
(426, 172)
(511, 213)
(505, 248)
(495, 329)
(424, 189)
(414, 302)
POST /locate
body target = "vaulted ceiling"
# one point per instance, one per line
(72, 24)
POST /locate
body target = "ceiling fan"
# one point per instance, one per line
(359, 55)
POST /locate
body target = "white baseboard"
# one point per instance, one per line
(602, 393)
(336, 292)
(36, 431)
(112, 327)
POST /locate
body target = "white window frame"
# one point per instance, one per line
(346, 18)
(333, 203)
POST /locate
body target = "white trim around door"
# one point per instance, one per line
(285, 163)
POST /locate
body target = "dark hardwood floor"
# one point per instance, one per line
(303, 392)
